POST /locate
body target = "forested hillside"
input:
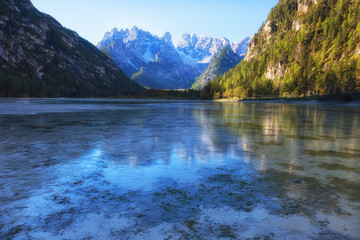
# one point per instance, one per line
(305, 47)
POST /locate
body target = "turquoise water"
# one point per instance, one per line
(131, 169)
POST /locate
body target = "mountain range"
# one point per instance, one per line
(305, 47)
(155, 62)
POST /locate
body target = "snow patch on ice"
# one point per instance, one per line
(97, 226)
(250, 224)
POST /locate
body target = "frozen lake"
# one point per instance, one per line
(136, 169)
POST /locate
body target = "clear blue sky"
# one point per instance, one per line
(233, 19)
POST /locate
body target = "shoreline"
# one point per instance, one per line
(326, 100)
(318, 101)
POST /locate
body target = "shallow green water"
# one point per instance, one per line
(111, 169)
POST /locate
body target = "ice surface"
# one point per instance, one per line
(137, 169)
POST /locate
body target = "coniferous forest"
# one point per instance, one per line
(305, 47)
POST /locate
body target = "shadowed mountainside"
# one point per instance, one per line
(40, 58)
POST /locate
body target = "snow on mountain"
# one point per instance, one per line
(148, 59)
(222, 62)
(188, 40)
(201, 50)
(132, 49)
(240, 48)
(155, 62)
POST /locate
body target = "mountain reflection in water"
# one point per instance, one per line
(198, 170)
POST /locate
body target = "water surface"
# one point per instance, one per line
(131, 169)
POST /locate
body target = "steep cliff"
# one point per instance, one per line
(40, 58)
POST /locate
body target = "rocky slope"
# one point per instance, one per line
(148, 59)
(223, 61)
(305, 47)
(39, 57)
(155, 62)
(201, 50)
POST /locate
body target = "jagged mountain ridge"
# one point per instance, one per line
(305, 47)
(223, 61)
(40, 58)
(201, 50)
(133, 48)
(155, 62)
(148, 59)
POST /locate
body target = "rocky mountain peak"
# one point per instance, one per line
(240, 48)
(167, 38)
(188, 40)
(202, 49)
(136, 32)
(155, 62)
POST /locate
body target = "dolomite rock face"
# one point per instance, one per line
(296, 25)
(275, 71)
(266, 32)
(155, 62)
(204, 48)
(303, 5)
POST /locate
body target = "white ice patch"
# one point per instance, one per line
(249, 224)
(159, 232)
(345, 224)
(133, 178)
(97, 226)
(40, 206)
(92, 226)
